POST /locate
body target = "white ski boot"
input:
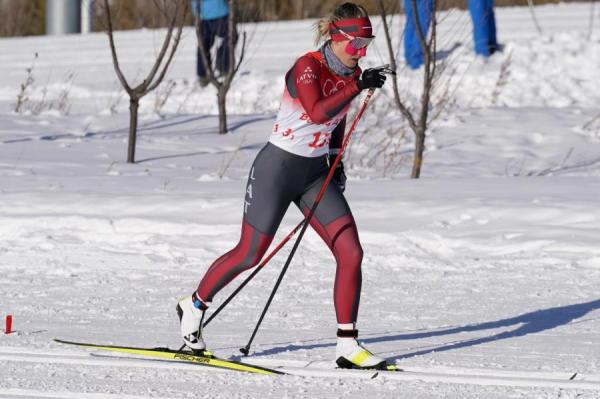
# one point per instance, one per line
(191, 313)
(350, 354)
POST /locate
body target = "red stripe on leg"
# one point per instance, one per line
(246, 254)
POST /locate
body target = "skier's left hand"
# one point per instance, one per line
(339, 177)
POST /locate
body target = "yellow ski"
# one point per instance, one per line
(177, 356)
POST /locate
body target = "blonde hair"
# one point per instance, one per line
(343, 11)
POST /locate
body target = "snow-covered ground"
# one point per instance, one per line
(489, 264)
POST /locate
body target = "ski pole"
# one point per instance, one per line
(255, 272)
(245, 350)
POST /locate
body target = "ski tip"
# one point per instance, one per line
(64, 341)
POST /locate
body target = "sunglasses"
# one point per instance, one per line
(357, 45)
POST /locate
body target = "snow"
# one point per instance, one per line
(487, 264)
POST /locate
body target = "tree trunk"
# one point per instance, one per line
(134, 104)
(221, 97)
(418, 158)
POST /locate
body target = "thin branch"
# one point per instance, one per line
(401, 106)
(144, 87)
(588, 125)
(426, 48)
(231, 39)
(242, 53)
(535, 21)
(114, 51)
(232, 43)
(433, 40)
(420, 33)
(176, 42)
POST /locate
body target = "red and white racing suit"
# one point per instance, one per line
(292, 168)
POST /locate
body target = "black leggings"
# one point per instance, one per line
(278, 178)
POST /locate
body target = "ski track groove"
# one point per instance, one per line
(481, 377)
(36, 394)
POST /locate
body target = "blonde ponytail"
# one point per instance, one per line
(322, 30)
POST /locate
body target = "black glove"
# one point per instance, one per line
(372, 77)
(339, 177)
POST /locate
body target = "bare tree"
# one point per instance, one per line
(223, 82)
(418, 119)
(174, 11)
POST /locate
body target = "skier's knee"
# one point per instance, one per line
(355, 256)
(351, 257)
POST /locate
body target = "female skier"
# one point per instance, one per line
(292, 167)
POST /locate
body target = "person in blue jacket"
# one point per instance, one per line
(212, 18)
(413, 54)
(484, 27)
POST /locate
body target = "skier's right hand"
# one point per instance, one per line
(372, 78)
(339, 177)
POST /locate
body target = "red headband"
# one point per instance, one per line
(356, 27)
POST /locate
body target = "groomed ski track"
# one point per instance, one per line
(471, 376)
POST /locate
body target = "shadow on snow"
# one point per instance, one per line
(177, 121)
(525, 324)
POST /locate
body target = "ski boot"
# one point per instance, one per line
(191, 314)
(350, 354)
